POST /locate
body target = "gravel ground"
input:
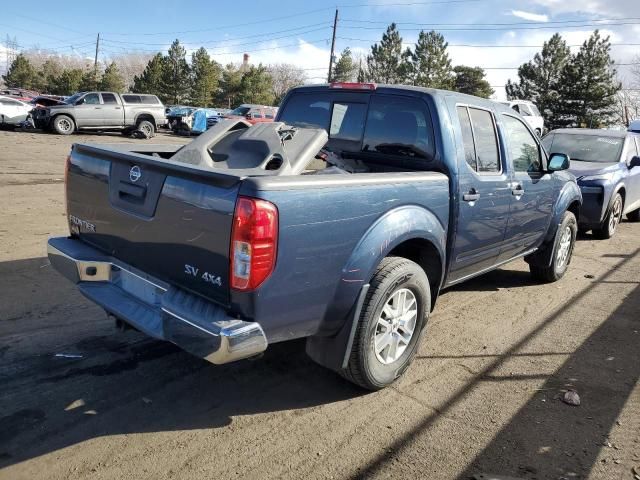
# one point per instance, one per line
(483, 396)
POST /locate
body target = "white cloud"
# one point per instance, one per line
(312, 57)
(534, 17)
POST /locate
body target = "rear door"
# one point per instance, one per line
(532, 190)
(89, 112)
(112, 113)
(485, 194)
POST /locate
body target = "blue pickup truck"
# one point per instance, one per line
(340, 223)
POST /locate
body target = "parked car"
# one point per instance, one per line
(530, 113)
(198, 121)
(607, 165)
(176, 114)
(254, 113)
(12, 111)
(107, 111)
(417, 190)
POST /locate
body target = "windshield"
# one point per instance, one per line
(585, 148)
(73, 98)
(240, 111)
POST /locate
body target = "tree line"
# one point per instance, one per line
(570, 89)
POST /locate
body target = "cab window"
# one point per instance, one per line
(479, 139)
(109, 98)
(523, 148)
(92, 99)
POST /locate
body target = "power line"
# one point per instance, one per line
(485, 45)
(256, 42)
(476, 29)
(233, 39)
(495, 24)
(247, 50)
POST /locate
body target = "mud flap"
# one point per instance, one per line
(334, 352)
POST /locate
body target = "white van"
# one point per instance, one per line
(530, 113)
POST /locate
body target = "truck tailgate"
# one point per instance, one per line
(170, 220)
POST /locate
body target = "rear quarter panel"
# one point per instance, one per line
(332, 236)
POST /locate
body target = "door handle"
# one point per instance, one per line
(97, 108)
(471, 196)
(517, 190)
(118, 108)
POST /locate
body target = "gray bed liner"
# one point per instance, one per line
(237, 147)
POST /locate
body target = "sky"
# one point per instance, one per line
(496, 35)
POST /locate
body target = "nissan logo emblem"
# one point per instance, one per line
(135, 173)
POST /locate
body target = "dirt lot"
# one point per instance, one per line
(482, 396)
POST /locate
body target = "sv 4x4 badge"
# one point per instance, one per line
(206, 276)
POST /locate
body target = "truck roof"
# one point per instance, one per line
(398, 89)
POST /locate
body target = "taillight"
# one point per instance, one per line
(254, 243)
(353, 86)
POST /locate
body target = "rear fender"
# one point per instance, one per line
(332, 344)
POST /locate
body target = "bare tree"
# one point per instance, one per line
(285, 76)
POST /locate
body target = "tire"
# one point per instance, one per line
(562, 251)
(634, 216)
(146, 127)
(397, 284)
(63, 125)
(610, 224)
(126, 132)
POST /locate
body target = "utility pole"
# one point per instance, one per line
(333, 44)
(95, 62)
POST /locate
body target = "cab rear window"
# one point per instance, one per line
(386, 125)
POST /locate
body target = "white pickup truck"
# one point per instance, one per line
(107, 111)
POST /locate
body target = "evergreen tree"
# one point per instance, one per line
(46, 76)
(429, 63)
(588, 85)
(176, 85)
(112, 79)
(68, 82)
(256, 86)
(344, 70)
(89, 81)
(229, 92)
(150, 81)
(387, 63)
(21, 73)
(205, 77)
(540, 79)
(470, 80)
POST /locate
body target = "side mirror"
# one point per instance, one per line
(248, 116)
(558, 161)
(80, 102)
(635, 162)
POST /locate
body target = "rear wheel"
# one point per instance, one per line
(146, 127)
(562, 251)
(608, 229)
(63, 125)
(393, 317)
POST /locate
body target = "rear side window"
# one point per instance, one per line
(398, 126)
(108, 98)
(131, 98)
(467, 137)
(347, 121)
(523, 148)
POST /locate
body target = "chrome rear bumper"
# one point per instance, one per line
(154, 307)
